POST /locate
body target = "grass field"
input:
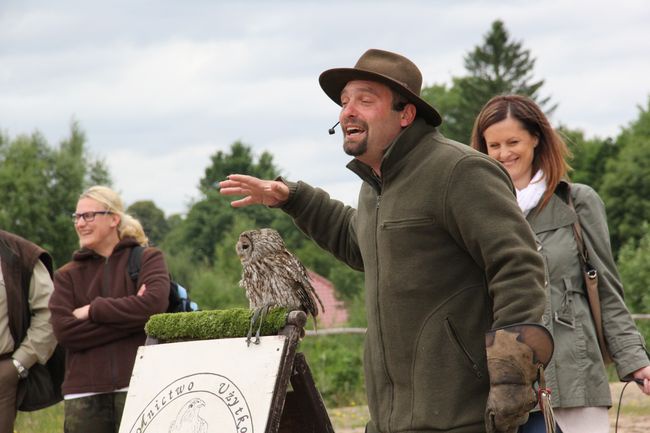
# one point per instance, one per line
(48, 420)
(634, 418)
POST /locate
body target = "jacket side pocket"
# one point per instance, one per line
(457, 342)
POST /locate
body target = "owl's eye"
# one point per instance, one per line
(245, 246)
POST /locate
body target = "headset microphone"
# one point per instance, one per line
(332, 130)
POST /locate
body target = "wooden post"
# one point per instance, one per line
(302, 409)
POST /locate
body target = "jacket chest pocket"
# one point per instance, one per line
(407, 223)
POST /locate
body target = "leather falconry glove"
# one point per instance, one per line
(515, 354)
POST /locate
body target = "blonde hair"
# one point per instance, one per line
(129, 226)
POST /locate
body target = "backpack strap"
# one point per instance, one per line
(135, 263)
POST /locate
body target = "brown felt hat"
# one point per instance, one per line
(391, 69)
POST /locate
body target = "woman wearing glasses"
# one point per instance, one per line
(98, 312)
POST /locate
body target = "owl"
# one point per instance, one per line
(273, 277)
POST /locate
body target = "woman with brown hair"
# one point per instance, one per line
(513, 130)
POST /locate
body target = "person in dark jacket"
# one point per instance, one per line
(513, 130)
(99, 313)
(25, 339)
(446, 253)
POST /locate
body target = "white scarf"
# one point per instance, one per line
(530, 196)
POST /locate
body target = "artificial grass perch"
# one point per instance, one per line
(211, 324)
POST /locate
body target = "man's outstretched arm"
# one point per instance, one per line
(271, 193)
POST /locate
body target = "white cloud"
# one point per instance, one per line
(174, 174)
(160, 86)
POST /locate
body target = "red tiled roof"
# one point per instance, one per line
(335, 313)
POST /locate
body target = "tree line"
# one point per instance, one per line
(40, 184)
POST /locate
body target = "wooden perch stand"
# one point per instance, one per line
(299, 409)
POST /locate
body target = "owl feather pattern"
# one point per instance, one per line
(272, 276)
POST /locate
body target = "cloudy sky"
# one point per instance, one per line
(159, 86)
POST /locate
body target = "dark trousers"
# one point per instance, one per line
(535, 424)
(8, 388)
(101, 413)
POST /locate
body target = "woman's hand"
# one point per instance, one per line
(256, 191)
(643, 374)
(81, 313)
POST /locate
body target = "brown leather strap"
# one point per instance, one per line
(591, 284)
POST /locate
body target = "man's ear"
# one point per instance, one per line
(407, 116)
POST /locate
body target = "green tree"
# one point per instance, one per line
(635, 274)
(239, 160)
(213, 286)
(348, 282)
(205, 223)
(499, 66)
(626, 184)
(589, 156)
(40, 185)
(152, 219)
(446, 100)
(200, 247)
(212, 216)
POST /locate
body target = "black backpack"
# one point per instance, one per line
(179, 300)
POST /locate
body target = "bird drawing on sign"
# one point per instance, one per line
(273, 277)
(188, 419)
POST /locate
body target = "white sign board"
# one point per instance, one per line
(203, 386)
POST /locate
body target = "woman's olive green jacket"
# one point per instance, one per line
(577, 375)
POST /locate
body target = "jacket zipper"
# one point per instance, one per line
(105, 294)
(377, 267)
(459, 343)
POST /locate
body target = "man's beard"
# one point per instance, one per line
(356, 148)
(360, 147)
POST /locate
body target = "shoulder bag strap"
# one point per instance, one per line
(590, 275)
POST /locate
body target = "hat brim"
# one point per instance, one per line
(333, 81)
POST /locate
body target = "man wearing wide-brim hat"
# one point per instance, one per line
(446, 252)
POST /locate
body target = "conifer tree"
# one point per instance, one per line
(500, 65)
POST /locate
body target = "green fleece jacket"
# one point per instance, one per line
(447, 255)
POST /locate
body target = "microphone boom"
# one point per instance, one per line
(332, 130)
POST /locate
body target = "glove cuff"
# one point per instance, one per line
(533, 335)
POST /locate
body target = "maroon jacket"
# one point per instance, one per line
(101, 350)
